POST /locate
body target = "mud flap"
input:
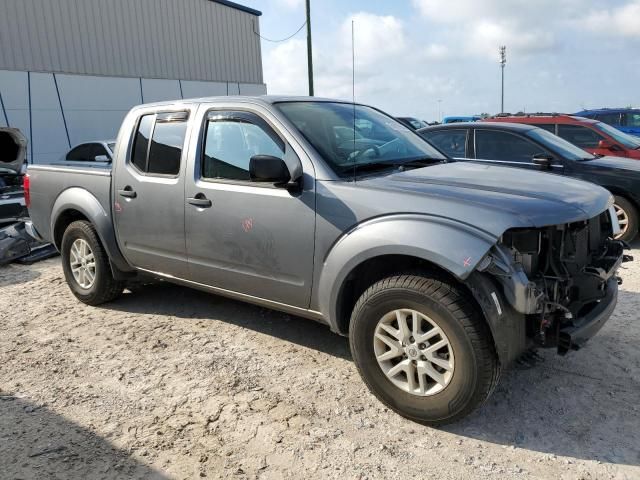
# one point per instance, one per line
(507, 326)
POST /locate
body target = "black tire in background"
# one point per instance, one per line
(631, 215)
(104, 288)
(476, 369)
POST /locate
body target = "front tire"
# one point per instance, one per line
(627, 217)
(423, 349)
(86, 265)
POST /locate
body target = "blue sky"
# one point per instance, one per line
(562, 55)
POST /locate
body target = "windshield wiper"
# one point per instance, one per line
(414, 163)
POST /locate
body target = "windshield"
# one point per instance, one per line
(559, 145)
(620, 137)
(376, 139)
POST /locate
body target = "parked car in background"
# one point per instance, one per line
(590, 135)
(625, 119)
(95, 151)
(458, 119)
(525, 146)
(441, 273)
(412, 123)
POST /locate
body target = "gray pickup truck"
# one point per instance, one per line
(440, 273)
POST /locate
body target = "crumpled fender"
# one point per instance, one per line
(453, 246)
(85, 202)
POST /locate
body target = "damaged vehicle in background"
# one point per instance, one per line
(15, 243)
(440, 273)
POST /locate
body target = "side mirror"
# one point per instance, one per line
(543, 160)
(266, 168)
(102, 158)
(606, 144)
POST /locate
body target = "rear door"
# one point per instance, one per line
(149, 194)
(251, 238)
(451, 141)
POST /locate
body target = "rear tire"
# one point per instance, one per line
(449, 382)
(628, 213)
(86, 265)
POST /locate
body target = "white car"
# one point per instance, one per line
(96, 151)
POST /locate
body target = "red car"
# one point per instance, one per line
(590, 135)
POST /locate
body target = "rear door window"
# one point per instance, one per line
(159, 141)
(505, 146)
(549, 127)
(452, 142)
(80, 153)
(632, 120)
(610, 118)
(583, 137)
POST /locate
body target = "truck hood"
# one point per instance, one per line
(524, 198)
(13, 151)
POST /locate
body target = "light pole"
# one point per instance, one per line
(503, 62)
(309, 52)
(439, 111)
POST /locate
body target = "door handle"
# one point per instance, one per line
(127, 192)
(200, 201)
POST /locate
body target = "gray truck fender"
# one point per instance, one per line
(79, 199)
(455, 247)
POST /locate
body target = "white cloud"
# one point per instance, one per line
(290, 4)
(376, 38)
(285, 68)
(624, 20)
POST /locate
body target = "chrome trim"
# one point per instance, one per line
(303, 312)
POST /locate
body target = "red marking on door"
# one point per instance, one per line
(117, 207)
(247, 224)
(467, 262)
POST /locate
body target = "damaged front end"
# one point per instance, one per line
(561, 279)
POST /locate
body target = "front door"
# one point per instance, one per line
(508, 149)
(252, 238)
(148, 197)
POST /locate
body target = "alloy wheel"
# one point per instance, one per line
(82, 263)
(413, 352)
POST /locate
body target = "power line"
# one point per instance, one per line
(282, 40)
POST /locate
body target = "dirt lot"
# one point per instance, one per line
(172, 383)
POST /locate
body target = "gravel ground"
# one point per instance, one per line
(168, 382)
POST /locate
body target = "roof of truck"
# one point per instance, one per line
(265, 99)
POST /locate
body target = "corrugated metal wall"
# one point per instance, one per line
(165, 39)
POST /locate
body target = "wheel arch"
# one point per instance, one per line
(79, 204)
(366, 254)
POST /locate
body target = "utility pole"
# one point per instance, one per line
(503, 62)
(440, 111)
(309, 52)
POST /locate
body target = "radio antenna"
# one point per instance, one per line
(353, 92)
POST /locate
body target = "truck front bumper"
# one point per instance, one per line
(581, 329)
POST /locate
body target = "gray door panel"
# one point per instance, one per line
(149, 212)
(254, 238)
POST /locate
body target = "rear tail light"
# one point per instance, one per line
(26, 184)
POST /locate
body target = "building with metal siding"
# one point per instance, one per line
(71, 69)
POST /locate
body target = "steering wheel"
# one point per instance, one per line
(360, 153)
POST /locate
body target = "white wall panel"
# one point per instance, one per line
(155, 90)
(49, 138)
(203, 89)
(253, 89)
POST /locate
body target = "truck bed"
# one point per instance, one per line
(48, 182)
